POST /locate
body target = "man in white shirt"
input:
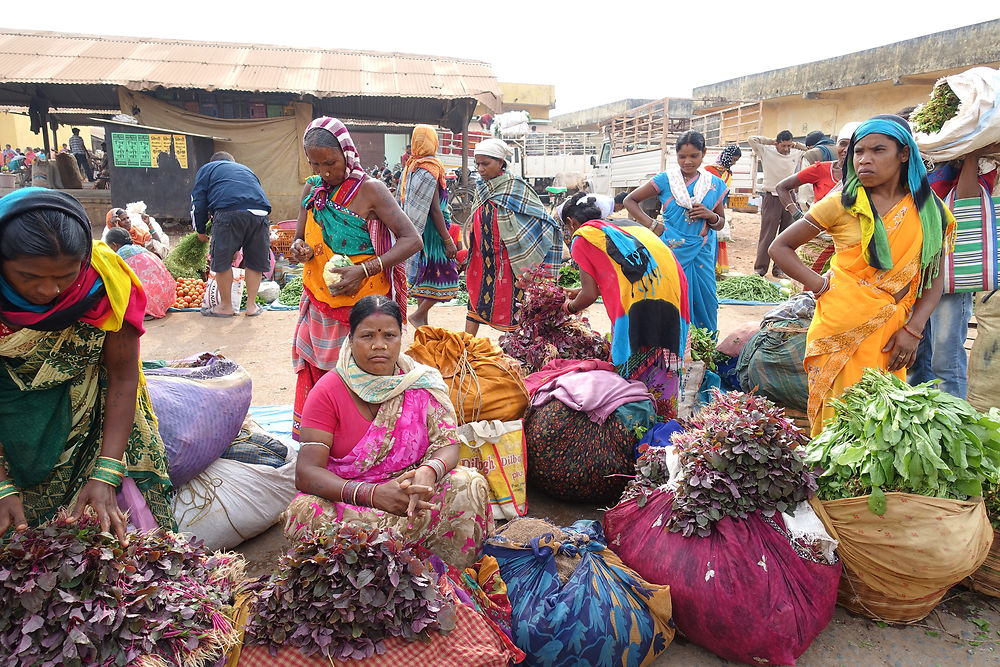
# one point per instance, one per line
(779, 158)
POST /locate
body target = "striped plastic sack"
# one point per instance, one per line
(974, 265)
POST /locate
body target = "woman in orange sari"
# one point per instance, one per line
(889, 230)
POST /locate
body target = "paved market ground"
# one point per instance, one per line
(263, 346)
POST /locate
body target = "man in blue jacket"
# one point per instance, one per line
(230, 193)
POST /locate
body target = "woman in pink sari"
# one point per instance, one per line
(378, 447)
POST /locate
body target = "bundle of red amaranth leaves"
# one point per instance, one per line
(72, 595)
(340, 593)
(544, 332)
(740, 454)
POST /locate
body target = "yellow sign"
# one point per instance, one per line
(180, 150)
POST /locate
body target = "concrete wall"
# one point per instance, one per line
(594, 118)
(960, 48)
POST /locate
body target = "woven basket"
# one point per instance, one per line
(857, 597)
(284, 241)
(986, 579)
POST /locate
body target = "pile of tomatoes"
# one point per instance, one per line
(190, 293)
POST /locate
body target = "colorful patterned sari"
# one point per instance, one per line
(511, 233)
(415, 419)
(52, 394)
(331, 227)
(856, 317)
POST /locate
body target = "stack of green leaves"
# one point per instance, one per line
(889, 436)
(749, 288)
(291, 293)
(739, 455)
(930, 117)
(72, 595)
(341, 593)
(189, 258)
(569, 275)
(703, 344)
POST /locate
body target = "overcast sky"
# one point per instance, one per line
(593, 52)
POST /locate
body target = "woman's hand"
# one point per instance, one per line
(389, 497)
(300, 251)
(351, 279)
(12, 514)
(571, 293)
(450, 249)
(703, 212)
(902, 349)
(101, 497)
(420, 485)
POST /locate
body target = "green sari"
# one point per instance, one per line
(53, 387)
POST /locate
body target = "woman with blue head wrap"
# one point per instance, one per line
(890, 232)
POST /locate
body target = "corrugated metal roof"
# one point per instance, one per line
(33, 57)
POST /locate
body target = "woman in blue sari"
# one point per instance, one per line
(693, 207)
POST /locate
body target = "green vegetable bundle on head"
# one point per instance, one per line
(889, 436)
(930, 117)
(189, 258)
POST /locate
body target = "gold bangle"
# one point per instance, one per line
(364, 266)
(104, 481)
(381, 266)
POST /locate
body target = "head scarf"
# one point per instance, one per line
(105, 293)
(139, 235)
(353, 169)
(728, 156)
(423, 148)
(847, 131)
(814, 138)
(494, 148)
(935, 218)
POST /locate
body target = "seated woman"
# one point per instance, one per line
(76, 418)
(117, 217)
(378, 446)
(644, 293)
(890, 232)
(159, 286)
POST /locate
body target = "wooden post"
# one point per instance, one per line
(467, 118)
(45, 133)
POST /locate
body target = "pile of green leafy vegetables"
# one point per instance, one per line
(930, 117)
(189, 258)
(703, 344)
(569, 275)
(749, 288)
(889, 436)
(291, 293)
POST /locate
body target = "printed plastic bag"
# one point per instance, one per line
(748, 592)
(977, 123)
(230, 501)
(604, 614)
(496, 449)
(212, 300)
(200, 404)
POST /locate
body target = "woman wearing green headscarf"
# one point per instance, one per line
(889, 230)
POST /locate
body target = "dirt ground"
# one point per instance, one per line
(263, 346)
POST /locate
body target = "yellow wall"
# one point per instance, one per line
(15, 129)
(833, 108)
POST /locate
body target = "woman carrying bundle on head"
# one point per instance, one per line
(344, 213)
(693, 206)
(423, 196)
(890, 232)
(379, 447)
(643, 289)
(510, 234)
(76, 419)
